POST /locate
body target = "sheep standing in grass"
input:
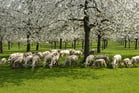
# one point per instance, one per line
(89, 60)
(135, 60)
(116, 60)
(105, 57)
(99, 63)
(3, 61)
(35, 60)
(127, 62)
(70, 59)
(47, 59)
(54, 60)
(65, 52)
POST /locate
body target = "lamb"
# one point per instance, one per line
(116, 60)
(54, 60)
(99, 63)
(3, 61)
(105, 57)
(64, 52)
(33, 59)
(89, 60)
(70, 59)
(135, 60)
(47, 58)
(127, 62)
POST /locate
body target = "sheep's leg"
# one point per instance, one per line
(33, 64)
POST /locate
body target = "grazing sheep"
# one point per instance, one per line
(70, 59)
(93, 51)
(116, 60)
(89, 60)
(127, 62)
(35, 60)
(105, 57)
(3, 61)
(64, 52)
(99, 63)
(54, 60)
(28, 60)
(47, 59)
(135, 60)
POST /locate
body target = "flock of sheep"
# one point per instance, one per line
(52, 57)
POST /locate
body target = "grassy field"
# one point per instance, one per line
(72, 79)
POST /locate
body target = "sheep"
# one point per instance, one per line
(3, 61)
(35, 60)
(47, 58)
(14, 56)
(116, 60)
(17, 62)
(45, 53)
(28, 60)
(70, 59)
(105, 57)
(54, 60)
(99, 63)
(89, 60)
(64, 52)
(135, 60)
(127, 62)
(93, 51)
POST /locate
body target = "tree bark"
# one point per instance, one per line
(125, 43)
(9, 45)
(55, 43)
(136, 43)
(1, 44)
(129, 43)
(74, 44)
(37, 46)
(28, 43)
(99, 44)
(60, 43)
(18, 45)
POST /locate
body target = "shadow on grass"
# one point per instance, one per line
(18, 76)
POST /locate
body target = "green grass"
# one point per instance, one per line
(72, 79)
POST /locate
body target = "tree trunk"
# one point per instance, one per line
(136, 43)
(74, 44)
(1, 45)
(28, 43)
(98, 44)
(9, 45)
(129, 43)
(18, 45)
(60, 43)
(37, 46)
(125, 43)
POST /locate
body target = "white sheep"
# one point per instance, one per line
(3, 61)
(127, 62)
(35, 60)
(54, 60)
(89, 60)
(105, 57)
(70, 59)
(47, 59)
(116, 60)
(99, 63)
(135, 60)
(65, 52)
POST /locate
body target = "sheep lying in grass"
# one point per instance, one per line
(70, 59)
(99, 63)
(3, 61)
(135, 60)
(127, 62)
(89, 60)
(116, 60)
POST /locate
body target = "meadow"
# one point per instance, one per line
(71, 79)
